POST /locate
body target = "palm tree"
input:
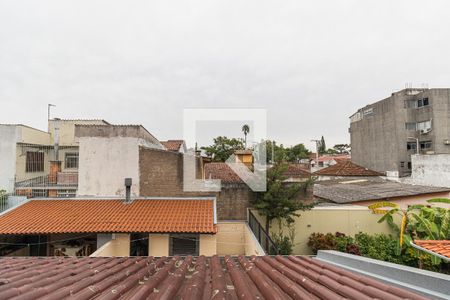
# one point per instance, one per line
(245, 130)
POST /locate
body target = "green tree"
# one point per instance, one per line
(245, 130)
(417, 221)
(223, 148)
(279, 201)
(296, 153)
(278, 151)
(322, 146)
(341, 148)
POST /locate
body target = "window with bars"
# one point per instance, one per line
(34, 162)
(184, 244)
(71, 161)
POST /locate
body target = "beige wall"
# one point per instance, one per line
(158, 245)
(119, 246)
(404, 202)
(33, 136)
(236, 238)
(346, 219)
(208, 244)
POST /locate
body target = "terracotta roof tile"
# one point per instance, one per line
(297, 170)
(266, 277)
(441, 247)
(172, 145)
(347, 168)
(80, 216)
(222, 171)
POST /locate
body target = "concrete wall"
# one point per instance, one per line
(104, 163)
(158, 245)
(431, 170)
(379, 140)
(346, 219)
(9, 135)
(119, 246)
(67, 130)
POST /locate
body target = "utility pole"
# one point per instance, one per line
(48, 116)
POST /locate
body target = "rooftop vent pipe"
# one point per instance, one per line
(128, 183)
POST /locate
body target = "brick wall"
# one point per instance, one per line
(161, 175)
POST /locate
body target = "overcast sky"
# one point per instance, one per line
(310, 64)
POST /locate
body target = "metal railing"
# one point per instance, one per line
(8, 201)
(261, 235)
(63, 179)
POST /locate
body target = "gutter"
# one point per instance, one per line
(429, 252)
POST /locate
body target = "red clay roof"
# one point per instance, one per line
(266, 277)
(79, 216)
(222, 171)
(440, 247)
(173, 145)
(347, 168)
(297, 170)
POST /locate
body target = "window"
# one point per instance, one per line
(139, 244)
(67, 193)
(320, 163)
(423, 102)
(411, 104)
(402, 164)
(411, 146)
(368, 112)
(71, 160)
(39, 193)
(34, 162)
(424, 126)
(425, 145)
(409, 165)
(183, 244)
(410, 126)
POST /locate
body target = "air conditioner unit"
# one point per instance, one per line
(425, 131)
(447, 142)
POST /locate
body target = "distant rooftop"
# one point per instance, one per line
(347, 168)
(173, 145)
(348, 191)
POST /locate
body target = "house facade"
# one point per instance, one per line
(34, 163)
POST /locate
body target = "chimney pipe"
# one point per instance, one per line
(128, 182)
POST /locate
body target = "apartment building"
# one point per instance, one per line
(35, 163)
(385, 134)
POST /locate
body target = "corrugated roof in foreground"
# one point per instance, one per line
(79, 216)
(187, 278)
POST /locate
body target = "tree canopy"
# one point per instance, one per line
(223, 147)
(279, 201)
(290, 154)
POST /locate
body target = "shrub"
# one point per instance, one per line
(283, 243)
(320, 241)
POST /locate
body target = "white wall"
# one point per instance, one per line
(9, 135)
(431, 170)
(104, 163)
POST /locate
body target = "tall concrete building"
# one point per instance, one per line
(386, 133)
